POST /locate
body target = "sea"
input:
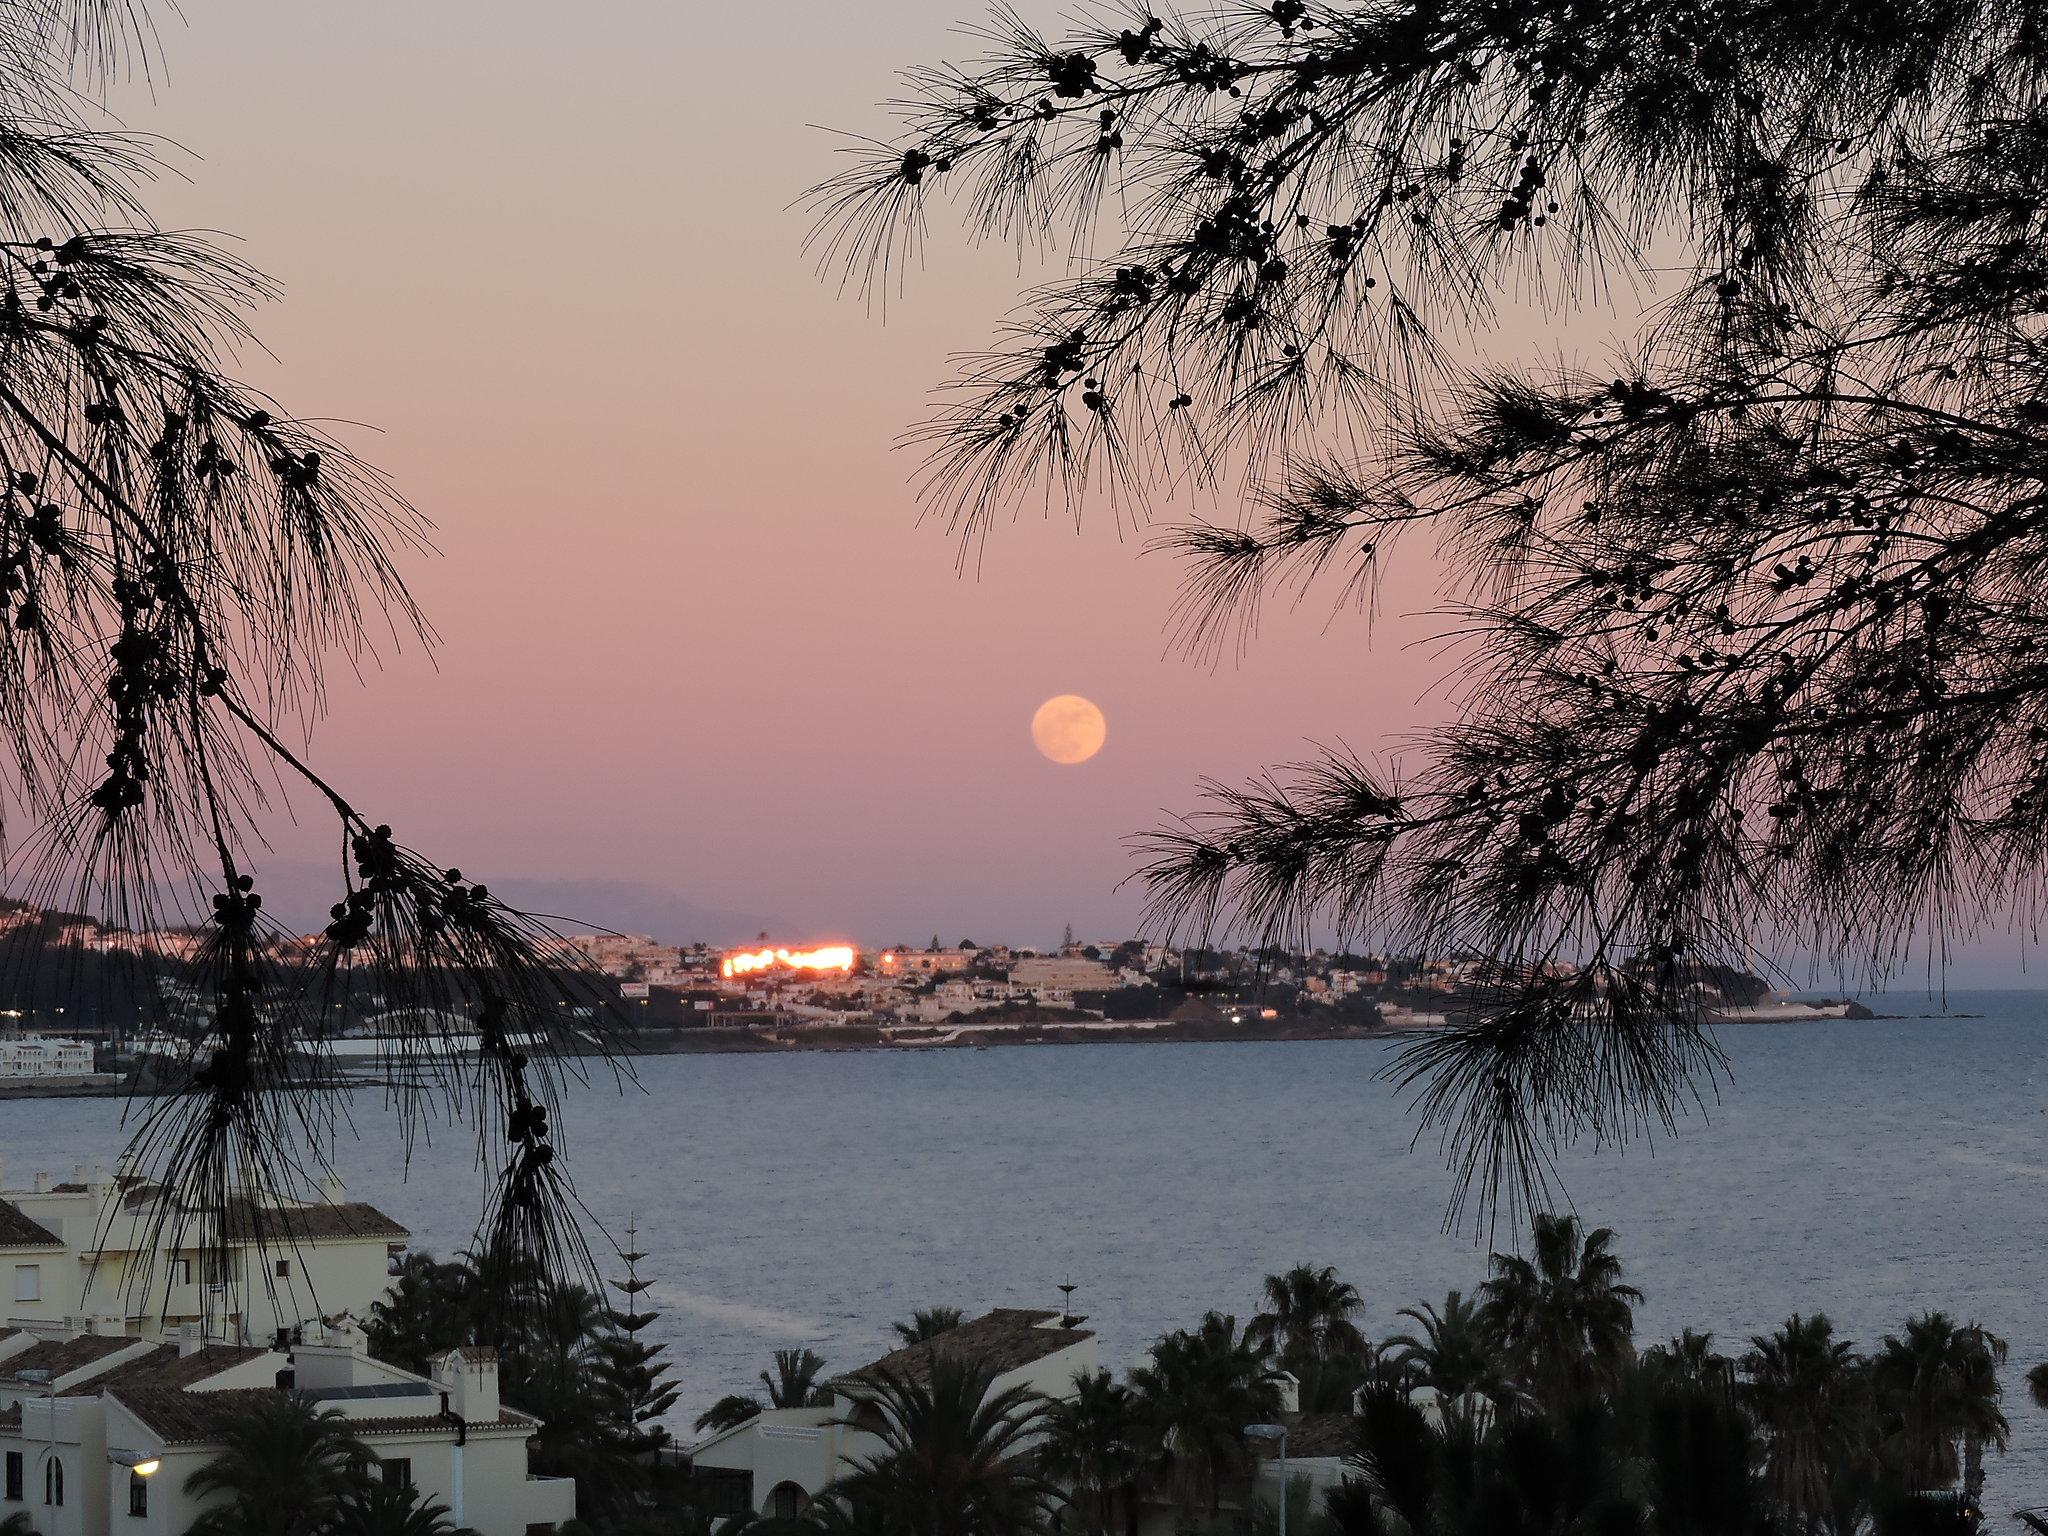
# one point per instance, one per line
(1868, 1169)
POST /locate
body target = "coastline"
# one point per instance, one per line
(833, 1038)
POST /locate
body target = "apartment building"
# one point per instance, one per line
(124, 1254)
(99, 1434)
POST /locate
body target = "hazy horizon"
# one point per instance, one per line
(692, 634)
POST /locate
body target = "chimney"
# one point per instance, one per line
(1290, 1392)
(78, 1172)
(472, 1378)
(332, 1189)
(191, 1339)
(42, 1182)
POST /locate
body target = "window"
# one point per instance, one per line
(53, 1482)
(284, 1269)
(138, 1494)
(784, 1503)
(14, 1477)
(28, 1282)
(397, 1471)
(181, 1271)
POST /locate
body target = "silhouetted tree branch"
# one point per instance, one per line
(180, 561)
(1750, 625)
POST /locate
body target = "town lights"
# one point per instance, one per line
(831, 957)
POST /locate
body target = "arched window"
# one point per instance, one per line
(53, 1481)
(786, 1502)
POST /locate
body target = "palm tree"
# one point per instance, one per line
(1307, 1323)
(951, 1461)
(555, 1370)
(927, 1325)
(795, 1382)
(376, 1508)
(1307, 1315)
(17, 1524)
(1092, 1446)
(1196, 1394)
(426, 1310)
(1564, 1317)
(282, 1470)
(2037, 1385)
(1690, 1356)
(1455, 1352)
(1939, 1388)
(733, 1408)
(835, 1517)
(1696, 1450)
(1796, 1383)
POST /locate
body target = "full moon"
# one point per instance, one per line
(1068, 729)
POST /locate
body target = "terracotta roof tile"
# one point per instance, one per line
(187, 1418)
(249, 1221)
(165, 1367)
(193, 1418)
(1008, 1338)
(1320, 1434)
(17, 1230)
(60, 1357)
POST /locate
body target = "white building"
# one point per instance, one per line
(1063, 973)
(40, 1056)
(784, 1457)
(79, 1414)
(114, 1251)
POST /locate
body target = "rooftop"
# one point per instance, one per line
(60, 1357)
(1320, 1434)
(19, 1231)
(165, 1367)
(251, 1221)
(1008, 1338)
(179, 1417)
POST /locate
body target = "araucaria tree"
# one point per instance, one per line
(635, 1375)
(181, 559)
(1751, 643)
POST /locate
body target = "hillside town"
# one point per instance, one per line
(86, 1007)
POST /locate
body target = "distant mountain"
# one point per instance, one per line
(298, 896)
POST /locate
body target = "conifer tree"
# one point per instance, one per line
(632, 1368)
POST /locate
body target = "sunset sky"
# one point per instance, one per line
(693, 636)
(692, 633)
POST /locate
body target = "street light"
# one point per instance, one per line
(141, 1463)
(1274, 1434)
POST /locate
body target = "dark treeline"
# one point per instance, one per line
(1528, 1407)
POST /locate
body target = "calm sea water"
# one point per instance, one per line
(1867, 1169)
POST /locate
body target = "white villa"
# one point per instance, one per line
(40, 1057)
(109, 1250)
(99, 1432)
(782, 1459)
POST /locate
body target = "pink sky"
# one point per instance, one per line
(692, 633)
(693, 636)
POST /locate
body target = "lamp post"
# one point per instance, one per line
(141, 1465)
(1274, 1434)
